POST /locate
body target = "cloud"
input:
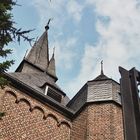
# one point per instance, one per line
(121, 36)
(60, 10)
(118, 25)
(54, 10)
(89, 61)
(75, 10)
(64, 54)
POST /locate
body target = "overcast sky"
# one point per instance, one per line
(84, 32)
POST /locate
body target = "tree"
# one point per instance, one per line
(8, 33)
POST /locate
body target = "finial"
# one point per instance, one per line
(53, 51)
(47, 26)
(102, 73)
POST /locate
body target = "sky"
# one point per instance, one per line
(84, 32)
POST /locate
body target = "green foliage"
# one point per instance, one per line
(8, 33)
(3, 82)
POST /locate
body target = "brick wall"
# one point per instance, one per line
(28, 119)
(79, 126)
(98, 122)
(104, 122)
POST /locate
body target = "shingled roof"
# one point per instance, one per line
(39, 55)
(100, 89)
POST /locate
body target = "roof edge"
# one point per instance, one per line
(26, 61)
(37, 95)
(94, 102)
(76, 95)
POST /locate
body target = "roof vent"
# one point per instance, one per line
(53, 94)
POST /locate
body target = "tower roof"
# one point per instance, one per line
(37, 59)
(100, 89)
(51, 66)
(100, 78)
(39, 55)
(38, 73)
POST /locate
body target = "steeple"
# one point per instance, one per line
(51, 66)
(39, 55)
(38, 58)
(37, 72)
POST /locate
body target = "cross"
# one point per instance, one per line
(102, 73)
(53, 50)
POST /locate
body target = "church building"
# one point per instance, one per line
(36, 108)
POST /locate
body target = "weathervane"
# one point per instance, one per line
(47, 26)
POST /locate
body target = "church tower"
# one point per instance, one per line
(39, 72)
(38, 59)
(98, 109)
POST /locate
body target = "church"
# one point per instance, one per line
(36, 108)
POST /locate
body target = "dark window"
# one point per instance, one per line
(54, 95)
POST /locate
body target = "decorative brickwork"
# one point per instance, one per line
(30, 120)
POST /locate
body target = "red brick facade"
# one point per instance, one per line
(79, 126)
(104, 122)
(28, 119)
(98, 122)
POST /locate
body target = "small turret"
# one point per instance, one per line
(51, 67)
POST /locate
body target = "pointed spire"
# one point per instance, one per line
(102, 72)
(51, 67)
(39, 54)
(37, 60)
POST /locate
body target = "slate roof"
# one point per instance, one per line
(39, 54)
(100, 78)
(51, 66)
(36, 80)
(38, 57)
(31, 91)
